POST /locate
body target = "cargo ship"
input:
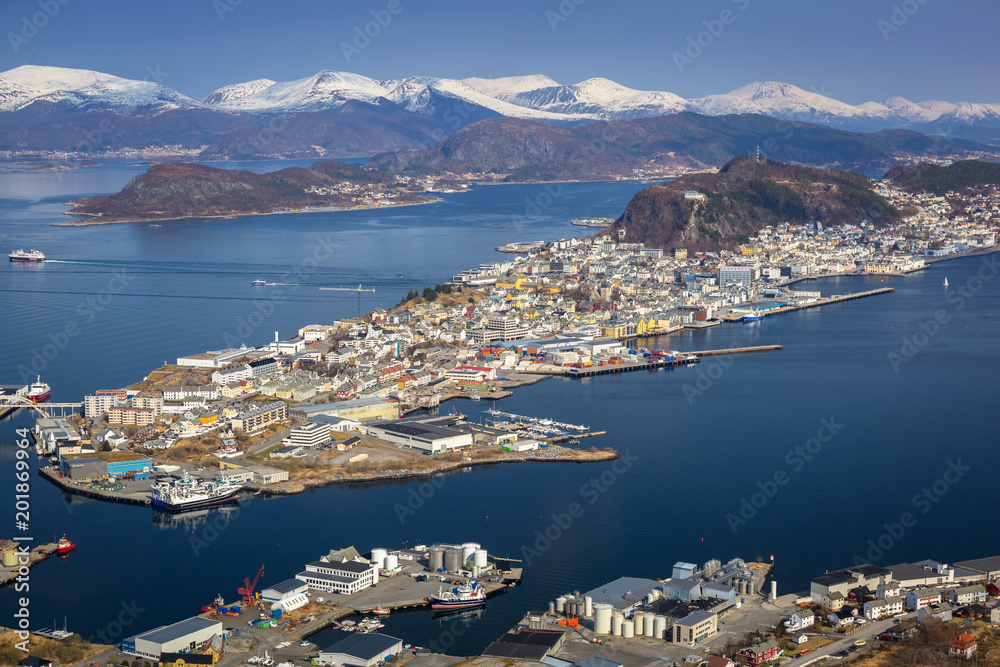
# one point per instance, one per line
(39, 392)
(188, 493)
(30, 256)
(459, 597)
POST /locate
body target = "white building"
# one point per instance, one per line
(922, 597)
(968, 594)
(344, 578)
(361, 650)
(308, 435)
(803, 618)
(427, 437)
(186, 635)
(883, 607)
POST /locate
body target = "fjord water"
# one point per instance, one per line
(855, 433)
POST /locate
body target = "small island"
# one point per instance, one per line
(174, 191)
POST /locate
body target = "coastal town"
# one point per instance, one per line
(350, 400)
(718, 614)
(361, 399)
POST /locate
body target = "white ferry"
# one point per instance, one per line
(30, 256)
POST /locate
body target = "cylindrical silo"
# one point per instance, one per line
(616, 623)
(452, 560)
(391, 562)
(436, 558)
(588, 606)
(561, 604)
(628, 629)
(653, 596)
(774, 591)
(647, 625)
(479, 557)
(659, 627)
(552, 608)
(10, 558)
(378, 557)
(468, 549)
(637, 622)
(602, 619)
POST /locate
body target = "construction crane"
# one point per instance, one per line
(357, 289)
(248, 588)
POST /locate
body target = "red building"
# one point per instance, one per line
(758, 654)
(962, 646)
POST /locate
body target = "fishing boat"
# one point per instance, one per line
(189, 493)
(258, 283)
(64, 546)
(39, 392)
(381, 611)
(753, 316)
(945, 282)
(458, 597)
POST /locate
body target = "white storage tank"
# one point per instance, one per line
(378, 557)
(660, 627)
(391, 562)
(647, 625)
(561, 604)
(479, 558)
(616, 623)
(637, 622)
(468, 549)
(436, 558)
(602, 618)
(628, 629)
(588, 606)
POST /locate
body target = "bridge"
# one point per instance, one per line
(8, 403)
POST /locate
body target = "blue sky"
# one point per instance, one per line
(853, 50)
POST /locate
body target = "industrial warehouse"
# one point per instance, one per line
(423, 435)
(187, 635)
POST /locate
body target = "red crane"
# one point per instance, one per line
(248, 588)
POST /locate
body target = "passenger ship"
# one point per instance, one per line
(30, 256)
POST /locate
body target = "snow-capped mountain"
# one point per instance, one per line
(783, 100)
(325, 90)
(598, 99)
(410, 109)
(237, 91)
(84, 89)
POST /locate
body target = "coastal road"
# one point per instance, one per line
(866, 635)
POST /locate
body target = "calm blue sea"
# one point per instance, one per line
(822, 446)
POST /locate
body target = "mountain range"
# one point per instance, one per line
(52, 108)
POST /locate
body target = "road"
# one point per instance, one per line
(871, 630)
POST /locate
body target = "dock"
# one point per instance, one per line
(135, 498)
(738, 350)
(836, 298)
(37, 555)
(643, 365)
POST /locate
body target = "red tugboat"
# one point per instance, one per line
(64, 546)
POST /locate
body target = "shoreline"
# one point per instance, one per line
(95, 220)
